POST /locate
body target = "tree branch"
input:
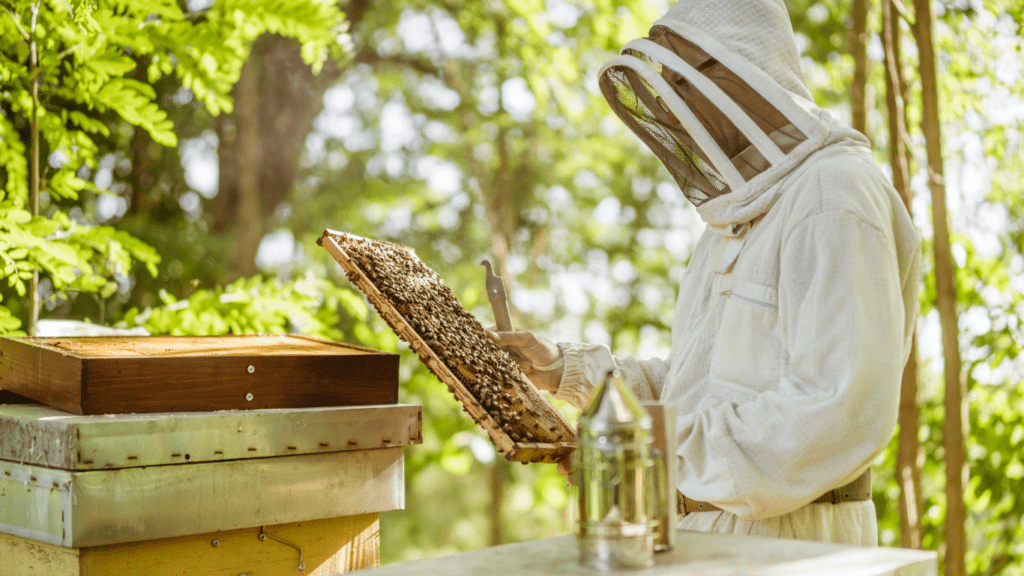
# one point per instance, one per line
(17, 24)
(367, 55)
(903, 12)
(355, 12)
(34, 175)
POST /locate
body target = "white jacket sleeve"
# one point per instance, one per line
(841, 327)
(587, 364)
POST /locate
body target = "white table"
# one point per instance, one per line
(694, 554)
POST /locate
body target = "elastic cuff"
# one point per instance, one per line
(549, 367)
(573, 388)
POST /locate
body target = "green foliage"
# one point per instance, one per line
(206, 50)
(997, 469)
(307, 305)
(84, 72)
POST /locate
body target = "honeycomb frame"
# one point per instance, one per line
(414, 301)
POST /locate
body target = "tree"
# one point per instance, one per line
(54, 104)
(260, 143)
(908, 471)
(61, 85)
(956, 417)
(860, 92)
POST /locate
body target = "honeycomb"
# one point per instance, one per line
(438, 328)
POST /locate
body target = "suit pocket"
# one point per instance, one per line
(747, 355)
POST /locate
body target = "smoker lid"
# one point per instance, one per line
(613, 407)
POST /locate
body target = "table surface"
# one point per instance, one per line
(694, 553)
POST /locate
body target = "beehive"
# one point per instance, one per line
(423, 311)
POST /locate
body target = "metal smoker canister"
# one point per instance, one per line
(616, 492)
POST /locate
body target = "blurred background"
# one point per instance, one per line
(167, 165)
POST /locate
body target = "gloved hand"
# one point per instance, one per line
(537, 356)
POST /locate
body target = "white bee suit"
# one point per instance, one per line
(795, 315)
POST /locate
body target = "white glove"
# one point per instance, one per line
(537, 356)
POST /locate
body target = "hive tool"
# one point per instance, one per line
(499, 301)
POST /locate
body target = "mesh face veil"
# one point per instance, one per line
(710, 128)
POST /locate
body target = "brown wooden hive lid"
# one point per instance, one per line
(185, 346)
(146, 374)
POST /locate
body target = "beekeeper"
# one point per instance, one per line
(796, 312)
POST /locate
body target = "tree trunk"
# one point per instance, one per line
(291, 98)
(33, 170)
(497, 500)
(954, 426)
(895, 102)
(250, 217)
(908, 455)
(908, 473)
(224, 207)
(861, 67)
(276, 101)
(498, 195)
(142, 176)
(142, 173)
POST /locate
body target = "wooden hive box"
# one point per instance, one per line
(424, 312)
(144, 374)
(277, 492)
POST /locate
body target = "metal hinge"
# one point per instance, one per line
(263, 536)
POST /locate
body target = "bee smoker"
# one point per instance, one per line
(619, 480)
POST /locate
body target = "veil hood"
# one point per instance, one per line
(717, 92)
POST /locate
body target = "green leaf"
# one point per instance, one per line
(133, 101)
(91, 125)
(166, 297)
(61, 252)
(16, 215)
(111, 64)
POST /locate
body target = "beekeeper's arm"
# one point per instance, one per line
(571, 371)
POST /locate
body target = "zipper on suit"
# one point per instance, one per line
(751, 300)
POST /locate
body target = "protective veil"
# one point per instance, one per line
(795, 316)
